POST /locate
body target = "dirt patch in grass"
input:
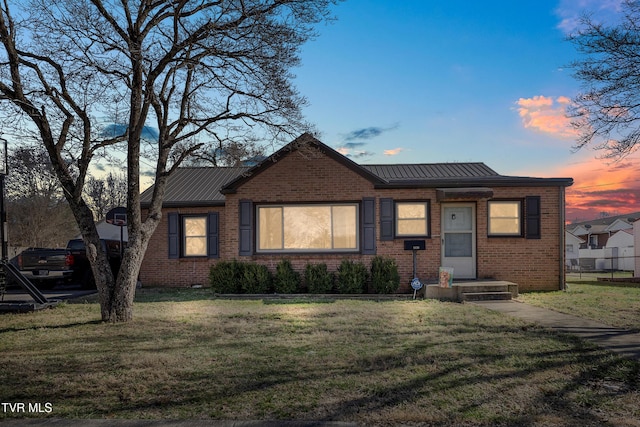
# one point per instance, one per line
(375, 363)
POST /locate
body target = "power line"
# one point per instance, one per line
(605, 185)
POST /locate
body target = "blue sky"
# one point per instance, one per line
(428, 81)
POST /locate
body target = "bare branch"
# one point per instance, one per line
(607, 112)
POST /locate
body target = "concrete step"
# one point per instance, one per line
(486, 296)
(498, 289)
(482, 287)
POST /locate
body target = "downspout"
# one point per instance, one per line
(561, 251)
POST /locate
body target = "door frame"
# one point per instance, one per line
(468, 264)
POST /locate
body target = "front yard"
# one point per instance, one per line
(187, 356)
(613, 303)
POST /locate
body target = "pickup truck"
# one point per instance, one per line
(49, 267)
(46, 267)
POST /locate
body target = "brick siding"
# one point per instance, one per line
(534, 264)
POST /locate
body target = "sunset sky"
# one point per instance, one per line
(423, 81)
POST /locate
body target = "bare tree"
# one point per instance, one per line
(607, 111)
(105, 194)
(230, 154)
(197, 71)
(38, 214)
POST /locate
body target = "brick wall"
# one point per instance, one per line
(158, 270)
(532, 263)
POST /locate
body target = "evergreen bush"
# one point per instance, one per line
(225, 277)
(352, 277)
(385, 278)
(318, 279)
(256, 279)
(286, 280)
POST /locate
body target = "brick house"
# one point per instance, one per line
(311, 204)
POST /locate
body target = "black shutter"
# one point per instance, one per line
(386, 219)
(532, 206)
(369, 226)
(245, 241)
(213, 236)
(174, 235)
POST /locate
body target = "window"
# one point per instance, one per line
(194, 236)
(505, 218)
(412, 219)
(317, 228)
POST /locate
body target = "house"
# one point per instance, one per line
(636, 244)
(621, 250)
(572, 244)
(596, 232)
(311, 204)
(597, 253)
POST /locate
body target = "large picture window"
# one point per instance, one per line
(505, 218)
(412, 219)
(308, 228)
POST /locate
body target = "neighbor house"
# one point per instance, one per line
(596, 232)
(607, 242)
(572, 244)
(310, 204)
(622, 250)
(636, 243)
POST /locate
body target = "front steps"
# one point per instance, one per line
(473, 291)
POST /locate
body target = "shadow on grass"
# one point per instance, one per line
(446, 371)
(40, 327)
(298, 300)
(479, 382)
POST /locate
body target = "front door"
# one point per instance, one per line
(459, 239)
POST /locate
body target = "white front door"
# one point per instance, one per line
(459, 239)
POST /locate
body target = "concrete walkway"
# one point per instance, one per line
(619, 340)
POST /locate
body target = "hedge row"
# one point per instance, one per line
(235, 277)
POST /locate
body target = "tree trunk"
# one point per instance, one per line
(120, 305)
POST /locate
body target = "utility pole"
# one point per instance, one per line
(4, 169)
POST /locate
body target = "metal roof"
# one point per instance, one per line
(196, 186)
(206, 186)
(428, 171)
(600, 225)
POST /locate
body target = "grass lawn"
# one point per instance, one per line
(613, 303)
(186, 356)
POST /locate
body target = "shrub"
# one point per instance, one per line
(318, 279)
(256, 279)
(352, 277)
(385, 278)
(287, 280)
(225, 277)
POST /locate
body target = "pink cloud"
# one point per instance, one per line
(547, 115)
(600, 187)
(393, 152)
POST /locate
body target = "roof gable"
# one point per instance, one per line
(608, 220)
(304, 142)
(570, 237)
(619, 224)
